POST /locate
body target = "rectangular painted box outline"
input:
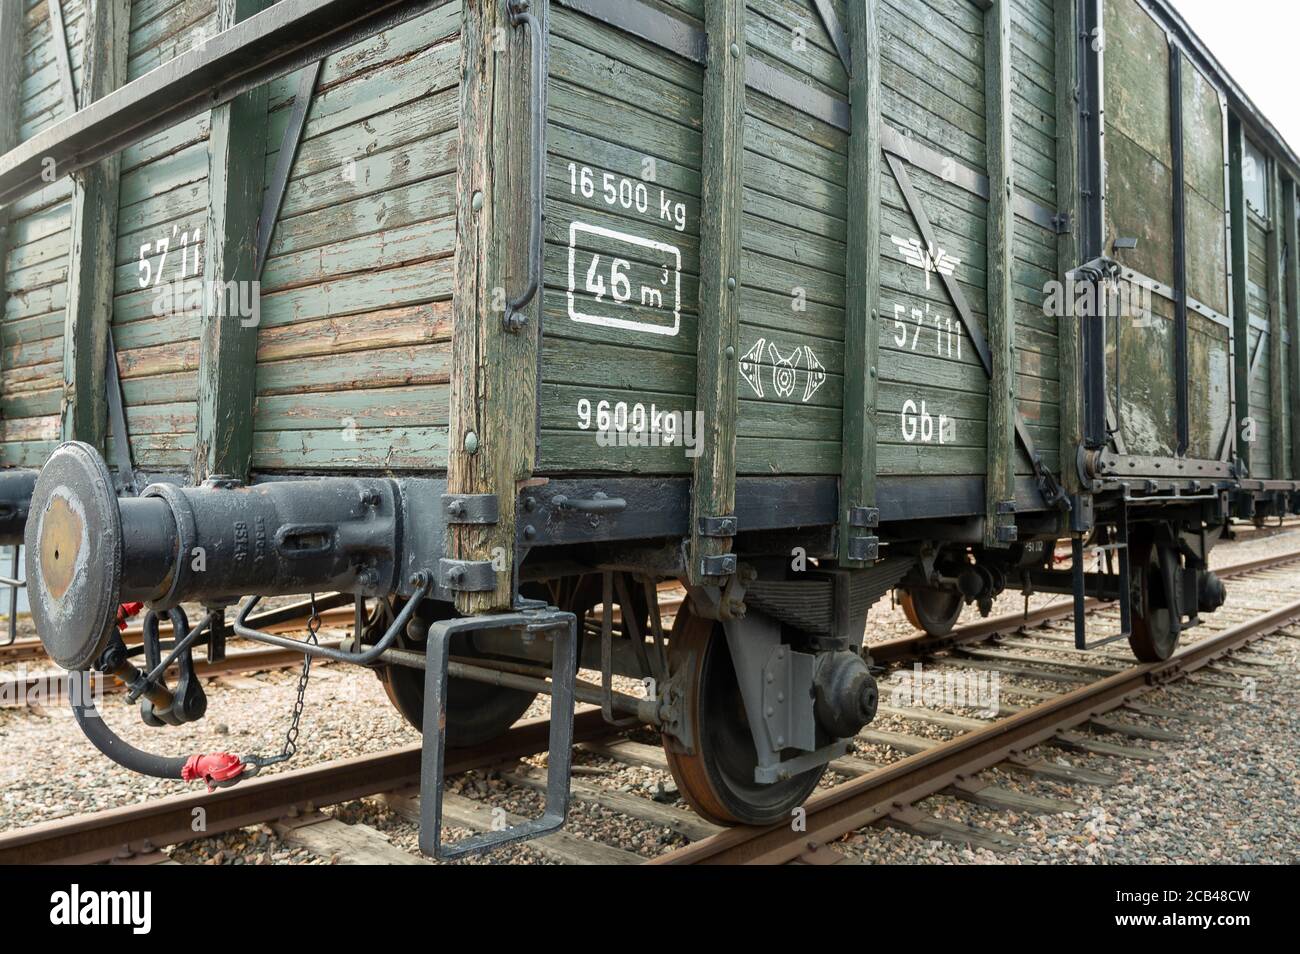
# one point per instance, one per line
(624, 323)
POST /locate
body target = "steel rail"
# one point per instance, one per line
(868, 798)
(111, 833)
(910, 647)
(330, 606)
(115, 832)
(45, 687)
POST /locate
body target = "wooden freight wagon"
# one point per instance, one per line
(496, 314)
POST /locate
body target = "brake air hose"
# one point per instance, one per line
(217, 768)
(114, 746)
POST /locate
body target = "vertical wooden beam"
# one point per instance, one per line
(223, 440)
(1068, 250)
(862, 311)
(1277, 415)
(492, 439)
(1291, 233)
(714, 490)
(1240, 300)
(1000, 482)
(93, 231)
(1182, 409)
(11, 64)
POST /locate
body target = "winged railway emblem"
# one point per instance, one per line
(932, 259)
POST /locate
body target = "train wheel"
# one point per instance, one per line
(718, 780)
(1155, 623)
(476, 712)
(931, 609)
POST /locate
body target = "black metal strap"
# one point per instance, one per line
(279, 183)
(1112, 429)
(947, 168)
(1259, 351)
(864, 549)
(125, 477)
(467, 576)
(481, 509)
(1051, 488)
(723, 526)
(864, 517)
(1225, 443)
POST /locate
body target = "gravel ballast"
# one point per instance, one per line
(1229, 792)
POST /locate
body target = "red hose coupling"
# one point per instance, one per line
(216, 769)
(126, 611)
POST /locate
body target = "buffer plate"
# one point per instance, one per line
(74, 555)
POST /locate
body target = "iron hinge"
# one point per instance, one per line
(717, 526)
(471, 508)
(467, 576)
(864, 516)
(1062, 223)
(864, 549)
(1005, 532)
(721, 564)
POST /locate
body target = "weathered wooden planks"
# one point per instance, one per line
(385, 245)
(796, 261)
(34, 299)
(162, 221)
(862, 308)
(610, 369)
(10, 91)
(359, 275)
(713, 493)
(93, 228)
(493, 397)
(228, 338)
(1000, 480)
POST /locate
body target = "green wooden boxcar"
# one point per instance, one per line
(794, 301)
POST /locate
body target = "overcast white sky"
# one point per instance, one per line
(1256, 41)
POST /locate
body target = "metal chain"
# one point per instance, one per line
(291, 737)
(256, 763)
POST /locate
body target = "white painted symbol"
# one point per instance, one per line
(932, 259)
(666, 281)
(783, 370)
(786, 370)
(816, 374)
(751, 366)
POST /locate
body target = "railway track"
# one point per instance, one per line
(21, 686)
(1084, 703)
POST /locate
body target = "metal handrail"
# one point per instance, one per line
(421, 580)
(518, 11)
